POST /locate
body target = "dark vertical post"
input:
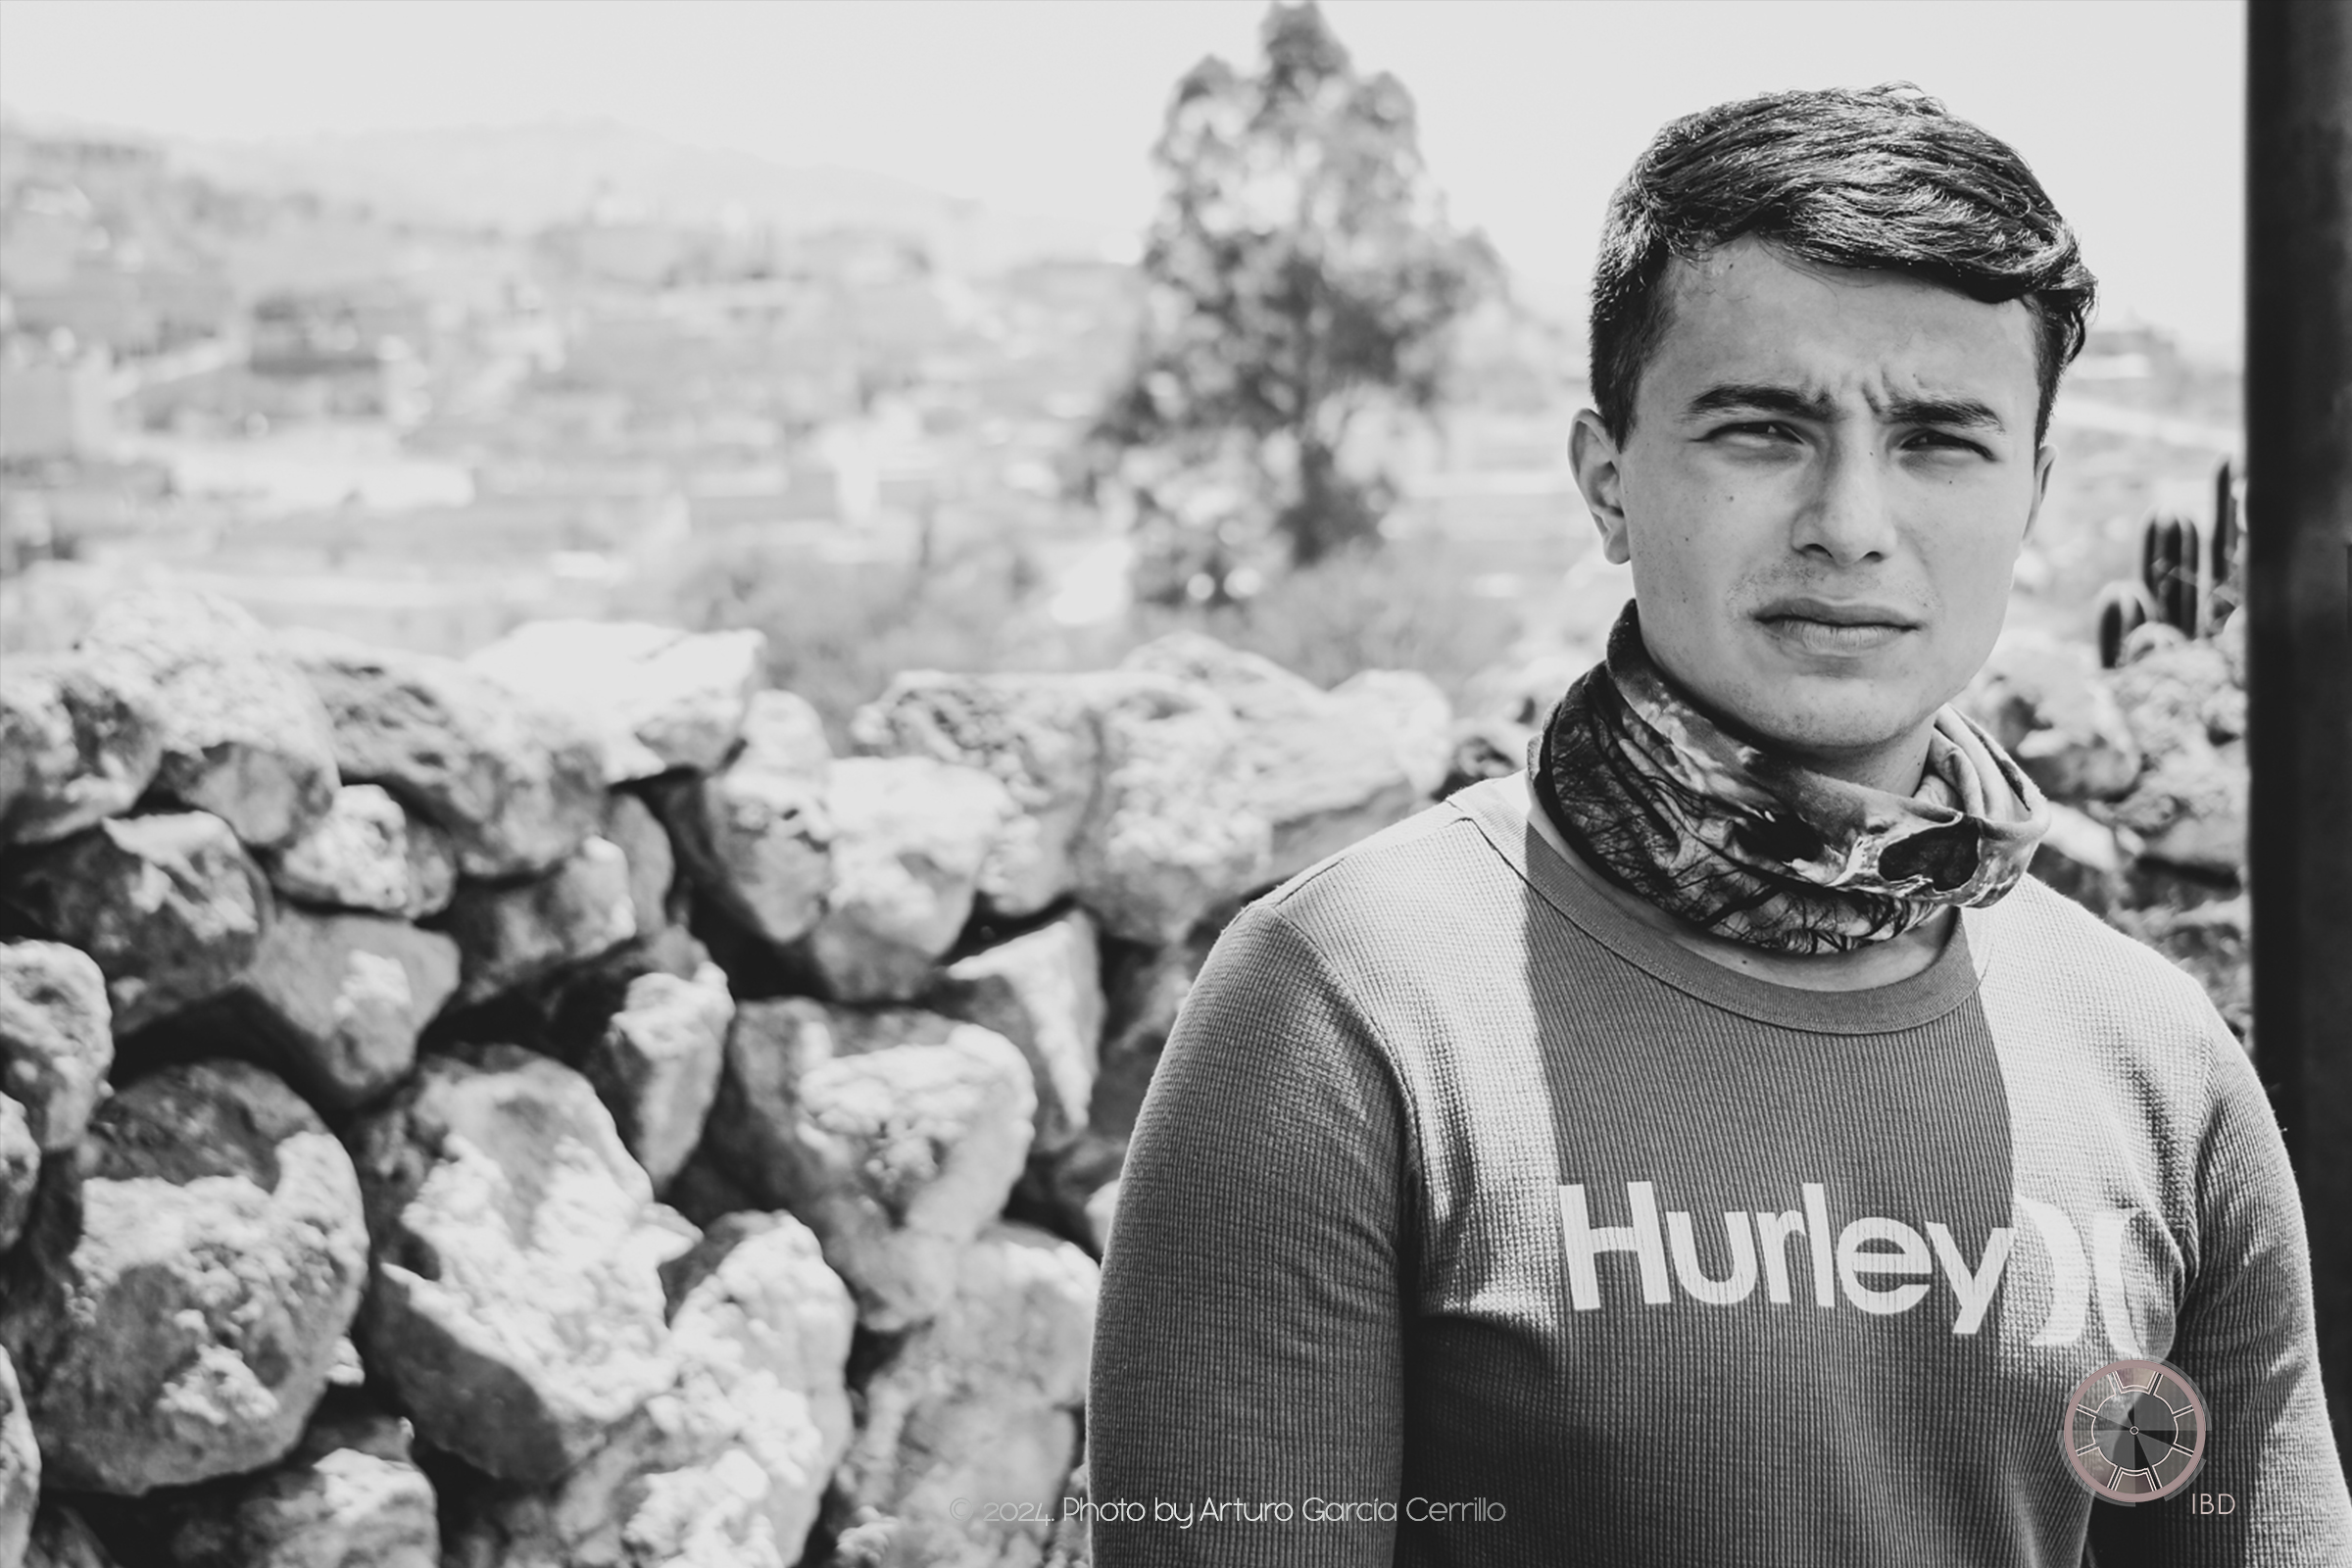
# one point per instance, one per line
(2299, 617)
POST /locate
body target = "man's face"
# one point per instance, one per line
(1823, 494)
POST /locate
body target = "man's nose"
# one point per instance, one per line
(1845, 518)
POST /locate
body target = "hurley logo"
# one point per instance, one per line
(1880, 1265)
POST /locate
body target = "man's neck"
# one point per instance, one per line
(1876, 963)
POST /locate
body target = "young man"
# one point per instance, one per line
(1708, 1147)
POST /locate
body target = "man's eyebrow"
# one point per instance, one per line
(1764, 397)
(1963, 414)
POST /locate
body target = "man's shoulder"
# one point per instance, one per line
(1415, 859)
(2051, 944)
(1374, 899)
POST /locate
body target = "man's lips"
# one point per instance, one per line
(1836, 612)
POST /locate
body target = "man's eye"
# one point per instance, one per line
(1763, 429)
(1943, 441)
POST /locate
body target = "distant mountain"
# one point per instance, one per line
(520, 178)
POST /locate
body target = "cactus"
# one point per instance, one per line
(2187, 575)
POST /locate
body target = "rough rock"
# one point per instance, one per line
(517, 787)
(980, 1402)
(2189, 809)
(656, 697)
(2177, 695)
(187, 1329)
(658, 1063)
(516, 1305)
(1143, 990)
(244, 736)
(726, 1468)
(1524, 691)
(20, 1467)
(367, 854)
(895, 1134)
(62, 1539)
(57, 1044)
(339, 999)
(20, 1169)
(2047, 705)
(1174, 830)
(1323, 771)
(170, 906)
(1042, 991)
(910, 836)
(1036, 734)
(1416, 716)
(631, 826)
(81, 738)
(348, 1496)
(1127, 782)
(1483, 749)
(756, 836)
(514, 933)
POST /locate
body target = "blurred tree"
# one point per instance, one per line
(1301, 276)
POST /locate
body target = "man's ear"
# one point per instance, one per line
(2043, 460)
(1594, 458)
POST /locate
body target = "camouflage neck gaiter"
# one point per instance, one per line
(1756, 847)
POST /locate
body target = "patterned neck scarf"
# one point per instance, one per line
(1756, 847)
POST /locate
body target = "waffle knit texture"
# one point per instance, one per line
(1458, 1191)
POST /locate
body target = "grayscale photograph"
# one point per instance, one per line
(1175, 783)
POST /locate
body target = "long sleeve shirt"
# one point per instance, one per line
(1468, 1220)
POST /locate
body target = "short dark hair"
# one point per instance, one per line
(1880, 177)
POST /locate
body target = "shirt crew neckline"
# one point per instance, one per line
(1906, 1003)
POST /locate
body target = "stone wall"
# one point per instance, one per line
(547, 1110)
(2146, 767)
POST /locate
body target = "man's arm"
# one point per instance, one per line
(1247, 1347)
(2246, 1339)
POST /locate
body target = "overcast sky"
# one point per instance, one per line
(1530, 112)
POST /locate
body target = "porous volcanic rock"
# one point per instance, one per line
(518, 787)
(1035, 734)
(186, 1328)
(367, 854)
(171, 907)
(1129, 786)
(1322, 771)
(81, 738)
(631, 826)
(727, 1467)
(339, 999)
(1175, 829)
(63, 1539)
(57, 1042)
(511, 934)
(981, 1401)
(756, 836)
(20, 1468)
(516, 1305)
(657, 1065)
(910, 836)
(1042, 991)
(244, 736)
(20, 1169)
(895, 1134)
(656, 697)
(2047, 705)
(348, 1496)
